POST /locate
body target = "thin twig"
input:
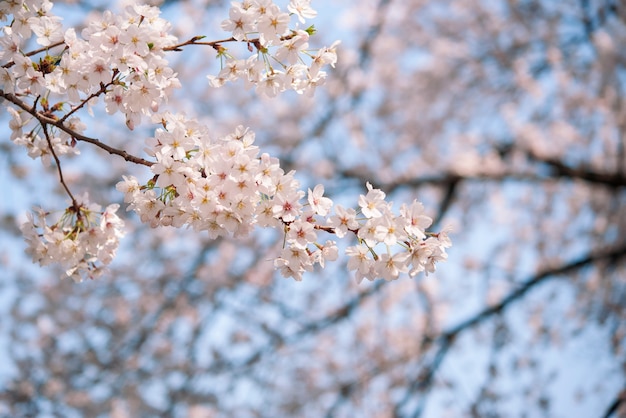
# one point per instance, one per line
(102, 90)
(196, 41)
(217, 44)
(446, 339)
(35, 52)
(58, 163)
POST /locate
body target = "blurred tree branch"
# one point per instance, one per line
(617, 406)
(445, 340)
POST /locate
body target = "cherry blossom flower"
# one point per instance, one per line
(301, 232)
(302, 9)
(359, 259)
(343, 221)
(417, 222)
(240, 22)
(319, 204)
(287, 206)
(390, 266)
(372, 202)
(48, 29)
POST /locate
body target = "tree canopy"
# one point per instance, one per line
(498, 123)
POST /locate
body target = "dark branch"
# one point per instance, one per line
(450, 193)
(559, 169)
(58, 164)
(611, 256)
(45, 120)
(614, 407)
(446, 339)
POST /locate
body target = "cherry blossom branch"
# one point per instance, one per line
(58, 163)
(35, 52)
(43, 49)
(102, 90)
(184, 163)
(178, 47)
(196, 41)
(43, 119)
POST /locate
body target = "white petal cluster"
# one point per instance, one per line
(84, 240)
(120, 55)
(224, 186)
(282, 60)
(408, 248)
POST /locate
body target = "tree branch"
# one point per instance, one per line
(101, 90)
(446, 339)
(450, 193)
(610, 255)
(450, 179)
(45, 120)
(614, 407)
(559, 169)
(196, 41)
(75, 205)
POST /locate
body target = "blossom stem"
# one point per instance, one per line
(196, 41)
(103, 89)
(58, 163)
(34, 52)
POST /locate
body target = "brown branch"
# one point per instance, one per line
(612, 255)
(196, 41)
(43, 120)
(45, 48)
(559, 169)
(615, 405)
(217, 44)
(449, 179)
(58, 163)
(446, 339)
(34, 52)
(449, 182)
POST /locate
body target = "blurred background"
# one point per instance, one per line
(506, 118)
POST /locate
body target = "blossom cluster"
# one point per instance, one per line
(224, 185)
(119, 56)
(292, 66)
(418, 250)
(84, 240)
